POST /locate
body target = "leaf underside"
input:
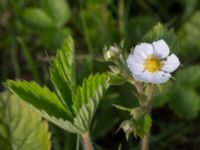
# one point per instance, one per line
(20, 127)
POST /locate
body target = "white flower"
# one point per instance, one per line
(152, 63)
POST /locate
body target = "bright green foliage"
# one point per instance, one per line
(20, 127)
(62, 72)
(87, 99)
(37, 19)
(74, 106)
(40, 97)
(90, 89)
(58, 10)
(160, 32)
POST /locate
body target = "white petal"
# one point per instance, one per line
(144, 76)
(135, 64)
(141, 77)
(155, 78)
(143, 50)
(161, 49)
(160, 77)
(171, 64)
(135, 58)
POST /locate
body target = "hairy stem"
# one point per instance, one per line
(87, 142)
(147, 107)
(145, 142)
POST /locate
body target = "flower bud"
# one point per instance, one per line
(111, 53)
(127, 127)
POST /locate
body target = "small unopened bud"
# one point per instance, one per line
(127, 127)
(111, 53)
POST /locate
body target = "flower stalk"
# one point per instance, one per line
(146, 105)
(145, 142)
(87, 142)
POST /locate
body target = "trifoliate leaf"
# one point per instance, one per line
(73, 110)
(20, 127)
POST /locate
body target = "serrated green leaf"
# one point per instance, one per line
(58, 9)
(75, 107)
(44, 102)
(62, 72)
(91, 88)
(87, 99)
(160, 32)
(20, 127)
(39, 97)
(37, 19)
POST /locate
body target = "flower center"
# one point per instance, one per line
(152, 64)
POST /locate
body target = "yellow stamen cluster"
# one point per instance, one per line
(152, 64)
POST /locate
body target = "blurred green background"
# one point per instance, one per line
(31, 32)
